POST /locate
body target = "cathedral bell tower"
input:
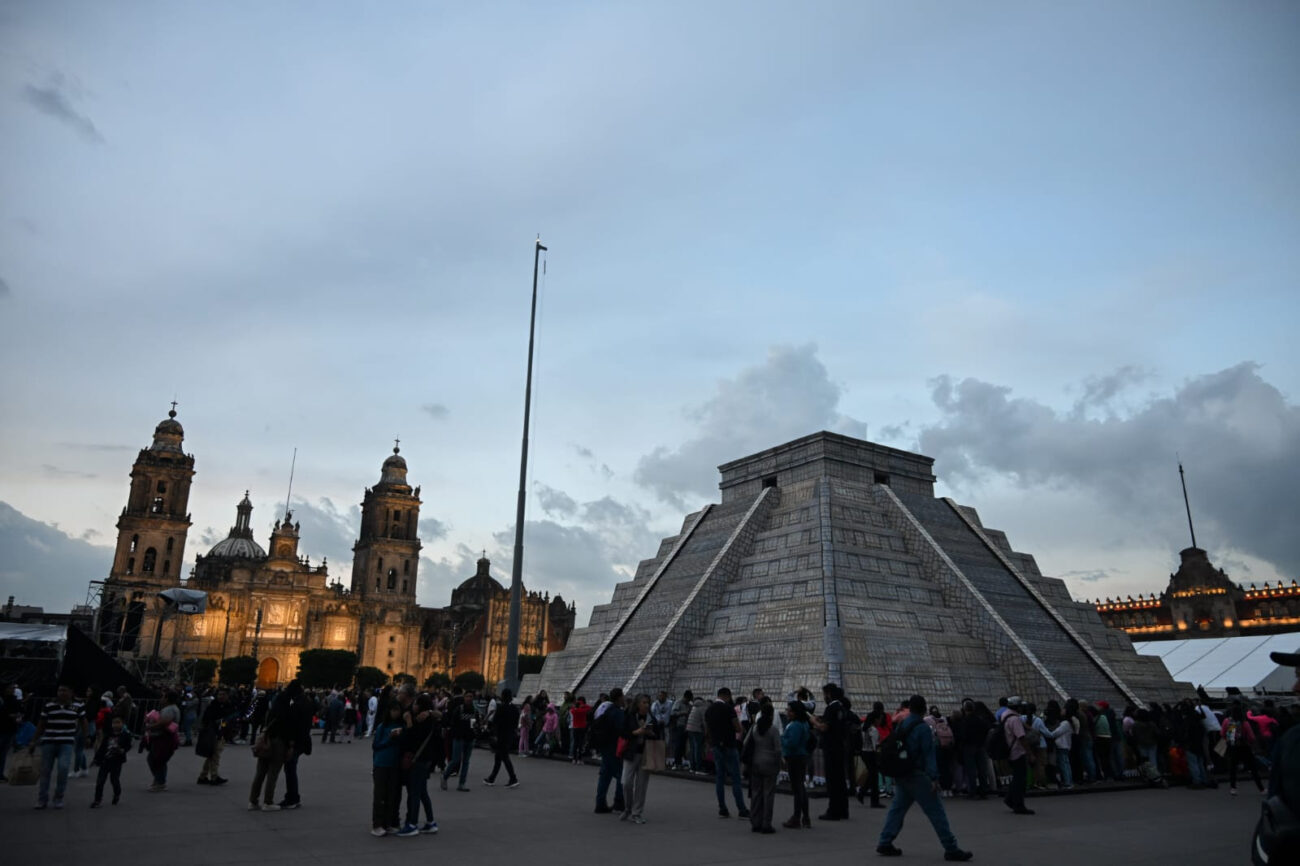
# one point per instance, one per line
(150, 538)
(387, 553)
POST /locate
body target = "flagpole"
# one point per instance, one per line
(511, 679)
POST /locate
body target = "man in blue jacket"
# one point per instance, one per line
(920, 784)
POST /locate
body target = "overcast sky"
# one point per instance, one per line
(1051, 245)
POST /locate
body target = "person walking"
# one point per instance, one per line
(302, 711)
(162, 738)
(420, 741)
(764, 748)
(111, 749)
(464, 725)
(386, 772)
(918, 781)
(215, 730)
(607, 724)
(271, 748)
(796, 741)
(505, 722)
(62, 721)
(639, 728)
(724, 731)
(1240, 738)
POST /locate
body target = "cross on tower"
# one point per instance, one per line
(396, 442)
(173, 405)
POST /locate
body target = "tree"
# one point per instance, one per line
(204, 670)
(238, 670)
(403, 677)
(370, 678)
(325, 668)
(470, 681)
(530, 664)
(439, 680)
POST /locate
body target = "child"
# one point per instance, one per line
(387, 772)
(110, 755)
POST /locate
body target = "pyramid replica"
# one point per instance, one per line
(830, 559)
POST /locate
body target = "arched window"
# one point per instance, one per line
(130, 564)
(162, 487)
(406, 566)
(376, 583)
(379, 569)
(403, 586)
(167, 566)
(150, 557)
(169, 544)
(135, 542)
(392, 578)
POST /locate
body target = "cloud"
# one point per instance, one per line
(431, 529)
(325, 530)
(95, 446)
(788, 396)
(5, 291)
(43, 565)
(594, 464)
(436, 411)
(1090, 575)
(53, 471)
(555, 502)
(53, 100)
(1237, 434)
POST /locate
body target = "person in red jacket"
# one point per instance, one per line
(579, 713)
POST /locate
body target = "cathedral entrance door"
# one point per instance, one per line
(268, 673)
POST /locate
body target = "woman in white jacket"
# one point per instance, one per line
(1062, 730)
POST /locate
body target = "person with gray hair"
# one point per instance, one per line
(639, 726)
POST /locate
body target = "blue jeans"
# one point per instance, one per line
(79, 754)
(417, 792)
(1088, 762)
(1197, 768)
(916, 787)
(697, 749)
(727, 761)
(1063, 766)
(611, 769)
(460, 754)
(53, 754)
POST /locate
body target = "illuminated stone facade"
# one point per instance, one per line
(1202, 601)
(275, 605)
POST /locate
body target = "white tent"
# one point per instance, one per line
(15, 631)
(1217, 664)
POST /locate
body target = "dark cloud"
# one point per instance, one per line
(53, 100)
(324, 530)
(592, 462)
(1091, 575)
(43, 565)
(788, 396)
(95, 446)
(431, 529)
(90, 534)
(1099, 392)
(53, 471)
(1237, 434)
(436, 411)
(555, 502)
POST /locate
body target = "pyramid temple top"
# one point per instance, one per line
(832, 455)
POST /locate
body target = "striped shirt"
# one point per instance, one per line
(61, 722)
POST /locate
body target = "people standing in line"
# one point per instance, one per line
(872, 727)
(464, 725)
(386, 771)
(505, 724)
(919, 784)
(302, 710)
(833, 731)
(272, 749)
(796, 739)
(723, 728)
(1060, 732)
(1020, 753)
(62, 721)
(695, 732)
(217, 727)
(579, 716)
(111, 749)
(765, 748)
(676, 735)
(420, 740)
(606, 725)
(639, 728)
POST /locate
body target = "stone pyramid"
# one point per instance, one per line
(830, 559)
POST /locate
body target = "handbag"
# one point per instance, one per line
(24, 767)
(1221, 748)
(408, 758)
(622, 747)
(655, 755)
(262, 746)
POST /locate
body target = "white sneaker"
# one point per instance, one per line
(378, 831)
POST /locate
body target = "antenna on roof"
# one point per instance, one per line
(1186, 503)
(292, 464)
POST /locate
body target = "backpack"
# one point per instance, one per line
(893, 754)
(600, 731)
(996, 743)
(943, 733)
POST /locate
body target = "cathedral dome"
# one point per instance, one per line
(237, 548)
(394, 471)
(169, 434)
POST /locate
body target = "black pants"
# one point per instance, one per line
(797, 767)
(1019, 771)
(110, 772)
(872, 761)
(837, 793)
(388, 793)
(291, 779)
(501, 756)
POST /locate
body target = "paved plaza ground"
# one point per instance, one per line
(549, 819)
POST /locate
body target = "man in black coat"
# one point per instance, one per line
(301, 712)
(504, 724)
(833, 733)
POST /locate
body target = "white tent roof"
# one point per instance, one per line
(28, 631)
(1218, 663)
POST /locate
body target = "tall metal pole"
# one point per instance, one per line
(511, 680)
(1186, 503)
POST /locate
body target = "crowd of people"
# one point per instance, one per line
(975, 751)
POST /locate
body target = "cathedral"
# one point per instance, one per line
(273, 605)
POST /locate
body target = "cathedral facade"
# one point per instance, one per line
(273, 603)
